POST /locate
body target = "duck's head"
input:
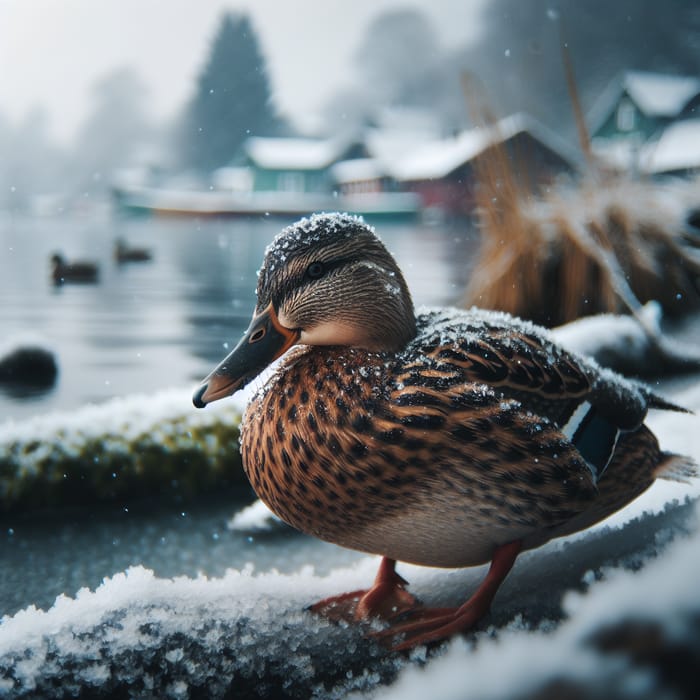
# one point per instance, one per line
(326, 280)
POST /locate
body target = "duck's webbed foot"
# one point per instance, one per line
(431, 625)
(387, 599)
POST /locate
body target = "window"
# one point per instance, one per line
(626, 113)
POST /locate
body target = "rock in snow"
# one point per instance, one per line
(612, 612)
(628, 344)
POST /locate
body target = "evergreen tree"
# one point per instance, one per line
(232, 99)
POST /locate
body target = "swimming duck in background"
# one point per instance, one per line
(79, 271)
(447, 439)
(124, 253)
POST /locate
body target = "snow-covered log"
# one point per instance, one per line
(131, 447)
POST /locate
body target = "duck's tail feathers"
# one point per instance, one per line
(658, 402)
(674, 467)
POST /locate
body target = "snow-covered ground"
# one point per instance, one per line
(247, 634)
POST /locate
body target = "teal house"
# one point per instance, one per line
(296, 165)
(636, 108)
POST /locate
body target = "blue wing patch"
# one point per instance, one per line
(594, 436)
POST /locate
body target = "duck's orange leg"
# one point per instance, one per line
(434, 625)
(387, 598)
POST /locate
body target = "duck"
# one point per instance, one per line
(441, 437)
(124, 253)
(79, 271)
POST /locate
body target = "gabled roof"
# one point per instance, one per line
(677, 149)
(437, 159)
(294, 153)
(655, 94)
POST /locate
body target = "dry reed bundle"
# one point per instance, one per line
(604, 246)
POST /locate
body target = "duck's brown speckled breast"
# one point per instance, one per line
(311, 441)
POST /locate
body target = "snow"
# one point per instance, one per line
(677, 149)
(657, 94)
(248, 633)
(294, 153)
(99, 444)
(633, 345)
(357, 170)
(436, 159)
(129, 417)
(585, 334)
(256, 517)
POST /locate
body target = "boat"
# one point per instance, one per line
(218, 203)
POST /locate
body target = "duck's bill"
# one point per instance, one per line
(264, 341)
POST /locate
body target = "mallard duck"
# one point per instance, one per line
(449, 438)
(124, 253)
(81, 271)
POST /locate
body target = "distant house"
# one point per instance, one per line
(636, 108)
(443, 172)
(296, 165)
(391, 170)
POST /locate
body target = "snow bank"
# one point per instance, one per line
(138, 445)
(247, 634)
(256, 517)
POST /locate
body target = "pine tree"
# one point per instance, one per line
(232, 99)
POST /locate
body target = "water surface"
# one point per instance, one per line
(150, 326)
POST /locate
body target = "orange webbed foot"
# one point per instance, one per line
(432, 625)
(387, 599)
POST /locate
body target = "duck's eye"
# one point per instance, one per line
(258, 335)
(315, 270)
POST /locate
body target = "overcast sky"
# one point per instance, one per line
(51, 51)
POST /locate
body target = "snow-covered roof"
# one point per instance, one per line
(357, 169)
(677, 149)
(294, 153)
(437, 159)
(659, 94)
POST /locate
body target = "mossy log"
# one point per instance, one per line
(136, 447)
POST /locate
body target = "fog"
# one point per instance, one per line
(325, 73)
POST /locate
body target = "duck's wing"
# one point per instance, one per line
(522, 361)
(516, 360)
